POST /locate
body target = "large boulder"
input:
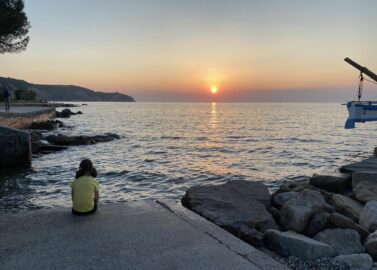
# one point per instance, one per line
(347, 206)
(66, 113)
(340, 221)
(251, 236)
(47, 125)
(275, 213)
(292, 244)
(61, 139)
(281, 198)
(367, 165)
(358, 177)
(296, 213)
(366, 191)
(232, 204)
(368, 216)
(358, 261)
(343, 241)
(80, 140)
(331, 183)
(371, 245)
(365, 186)
(317, 223)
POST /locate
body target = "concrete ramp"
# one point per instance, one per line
(132, 235)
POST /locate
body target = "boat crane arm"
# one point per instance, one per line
(363, 70)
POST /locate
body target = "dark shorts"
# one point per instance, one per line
(85, 213)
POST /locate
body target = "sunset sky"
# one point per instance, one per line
(169, 50)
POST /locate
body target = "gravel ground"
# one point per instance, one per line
(318, 264)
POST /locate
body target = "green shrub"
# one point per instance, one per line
(21, 94)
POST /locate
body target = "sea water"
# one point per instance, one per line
(165, 148)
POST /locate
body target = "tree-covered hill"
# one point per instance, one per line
(64, 92)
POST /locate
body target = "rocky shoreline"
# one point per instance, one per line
(323, 222)
(42, 144)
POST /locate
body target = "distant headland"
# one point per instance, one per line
(64, 92)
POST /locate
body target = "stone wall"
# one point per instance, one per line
(14, 147)
(23, 121)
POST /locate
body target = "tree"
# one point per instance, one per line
(14, 26)
(21, 94)
(2, 90)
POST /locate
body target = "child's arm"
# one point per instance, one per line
(96, 196)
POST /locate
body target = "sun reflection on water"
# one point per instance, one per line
(213, 123)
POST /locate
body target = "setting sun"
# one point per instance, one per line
(214, 89)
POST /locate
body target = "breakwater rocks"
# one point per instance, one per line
(42, 144)
(66, 113)
(324, 218)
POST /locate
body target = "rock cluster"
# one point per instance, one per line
(65, 140)
(66, 113)
(323, 217)
(42, 144)
(47, 125)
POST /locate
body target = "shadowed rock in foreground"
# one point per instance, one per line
(232, 205)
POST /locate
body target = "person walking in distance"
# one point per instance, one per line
(7, 99)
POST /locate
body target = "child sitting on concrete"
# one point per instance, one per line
(85, 189)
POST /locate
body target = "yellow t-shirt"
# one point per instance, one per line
(83, 189)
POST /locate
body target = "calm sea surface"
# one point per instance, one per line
(167, 147)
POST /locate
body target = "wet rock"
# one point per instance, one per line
(47, 125)
(371, 245)
(61, 139)
(80, 140)
(251, 236)
(359, 261)
(296, 213)
(317, 223)
(36, 146)
(331, 183)
(343, 241)
(232, 204)
(66, 113)
(50, 148)
(358, 177)
(35, 136)
(367, 165)
(39, 147)
(365, 191)
(368, 216)
(347, 206)
(344, 222)
(275, 213)
(293, 244)
(281, 198)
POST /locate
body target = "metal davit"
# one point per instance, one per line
(361, 111)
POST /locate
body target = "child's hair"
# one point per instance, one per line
(85, 166)
(93, 172)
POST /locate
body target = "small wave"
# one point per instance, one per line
(115, 174)
(235, 137)
(301, 164)
(171, 137)
(156, 152)
(304, 140)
